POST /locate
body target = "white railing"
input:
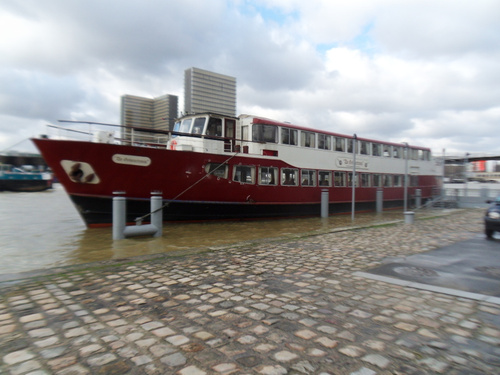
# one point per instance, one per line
(471, 193)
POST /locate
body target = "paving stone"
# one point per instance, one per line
(74, 370)
(174, 360)
(285, 356)
(352, 351)
(272, 370)
(376, 360)
(435, 365)
(18, 356)
(177, 340)
(364, 371)
(305, 334)
(225, 368)
(191, 370)
(101, 359)
(274, 307)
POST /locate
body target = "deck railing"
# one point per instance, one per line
(471, 194)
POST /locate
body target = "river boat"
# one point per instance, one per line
(22, 180)
(216, 167)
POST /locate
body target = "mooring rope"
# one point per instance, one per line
(141, 218)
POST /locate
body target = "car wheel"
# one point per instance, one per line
(489, 233)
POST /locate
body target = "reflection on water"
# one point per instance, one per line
(43, 230)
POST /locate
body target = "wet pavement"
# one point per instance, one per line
(471, 266)
(290, 306)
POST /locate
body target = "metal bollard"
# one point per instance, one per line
(157, 213)
(119, 210)
(409, 217)
(120, 228)
(380, 200)
(324, 203)
(418, 198)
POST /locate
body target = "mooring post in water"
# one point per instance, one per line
(418, 198)
(156, 212)
(324, 203)
(119, 214)
(380, 201)
(121, 231)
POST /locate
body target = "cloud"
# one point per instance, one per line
(415, 70)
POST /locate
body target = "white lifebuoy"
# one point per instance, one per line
(173, 145)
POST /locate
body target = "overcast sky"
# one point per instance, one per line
(425, 72)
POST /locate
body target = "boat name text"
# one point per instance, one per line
(141, 161)
(348, 163)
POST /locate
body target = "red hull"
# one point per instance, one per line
(181, 178)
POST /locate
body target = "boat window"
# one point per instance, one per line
(268, 176)
(339, 144)
(199, 123)
(427, 155)
(244, 133)
(340, 179)
(185, 125)
(365, 180)
(349, 179)
(414, 180)
(307, 139)
(289, 136)
(397, 152)
(350, 143)
(177, 126)
(325, 178)
(387, 180)
(377, 180)
(324, 142)
(229, 131)
(398, 180)
(289, 176)
(377, 149)
(387, 151)
(264, 133)
(308, 177)
(216, 169)
(214, 127)
(414, 154)
(244, 174)
(364, 148)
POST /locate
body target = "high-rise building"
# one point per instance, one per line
(158, 113)
(206, 91)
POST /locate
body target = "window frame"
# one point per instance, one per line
(211, 167)
(397, 180)
(252, 174)
(273, 171)
(365, 180)
(259, 133)
(388, 181)
(342, 142)
(328, 179)
(308, 175)
(377, 180)
(295, 176)
(324, 141)
(343, 179)
(364, 148)
(291, 135)
(307, 136)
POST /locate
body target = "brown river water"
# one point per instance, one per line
(43, 230)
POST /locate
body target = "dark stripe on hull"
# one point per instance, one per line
(98, 211)
(25, 185)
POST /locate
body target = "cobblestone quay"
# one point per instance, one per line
(292, 306)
